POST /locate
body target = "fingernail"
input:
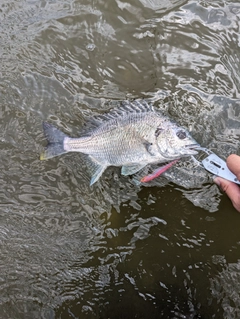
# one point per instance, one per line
(216, 180)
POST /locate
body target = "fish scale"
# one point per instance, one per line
(132, 136)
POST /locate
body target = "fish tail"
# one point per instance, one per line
(55, 140)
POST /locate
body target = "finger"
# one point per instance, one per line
(233, 163)
(231, 189)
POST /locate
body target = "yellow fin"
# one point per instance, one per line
(42, 156)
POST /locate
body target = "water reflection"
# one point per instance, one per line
(118, 250)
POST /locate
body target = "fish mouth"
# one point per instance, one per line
(192, 149)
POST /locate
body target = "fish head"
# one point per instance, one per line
(174, 141)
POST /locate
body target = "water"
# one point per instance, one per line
(117, 250)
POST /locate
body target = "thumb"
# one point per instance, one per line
(231, 189)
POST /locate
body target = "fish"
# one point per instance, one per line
(131, 137)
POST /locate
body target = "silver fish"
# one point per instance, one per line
(132, 136)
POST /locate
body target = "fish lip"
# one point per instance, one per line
(192, 148)
(193, 145)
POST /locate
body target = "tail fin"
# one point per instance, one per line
(55, 140)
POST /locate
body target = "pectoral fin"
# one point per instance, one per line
(131, 169)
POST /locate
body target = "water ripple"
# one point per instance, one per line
(69, 250)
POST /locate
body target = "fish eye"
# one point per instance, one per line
(181, 135)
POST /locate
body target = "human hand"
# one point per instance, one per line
(230, 188)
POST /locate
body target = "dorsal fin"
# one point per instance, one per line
(126, 107)
(136, 106)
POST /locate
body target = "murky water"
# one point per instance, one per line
(118, 249)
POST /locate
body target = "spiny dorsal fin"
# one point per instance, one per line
(126, 107)
(136, 106)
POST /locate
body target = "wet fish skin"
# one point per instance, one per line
(133, 136)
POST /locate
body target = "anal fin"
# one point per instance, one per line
(96, 169)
